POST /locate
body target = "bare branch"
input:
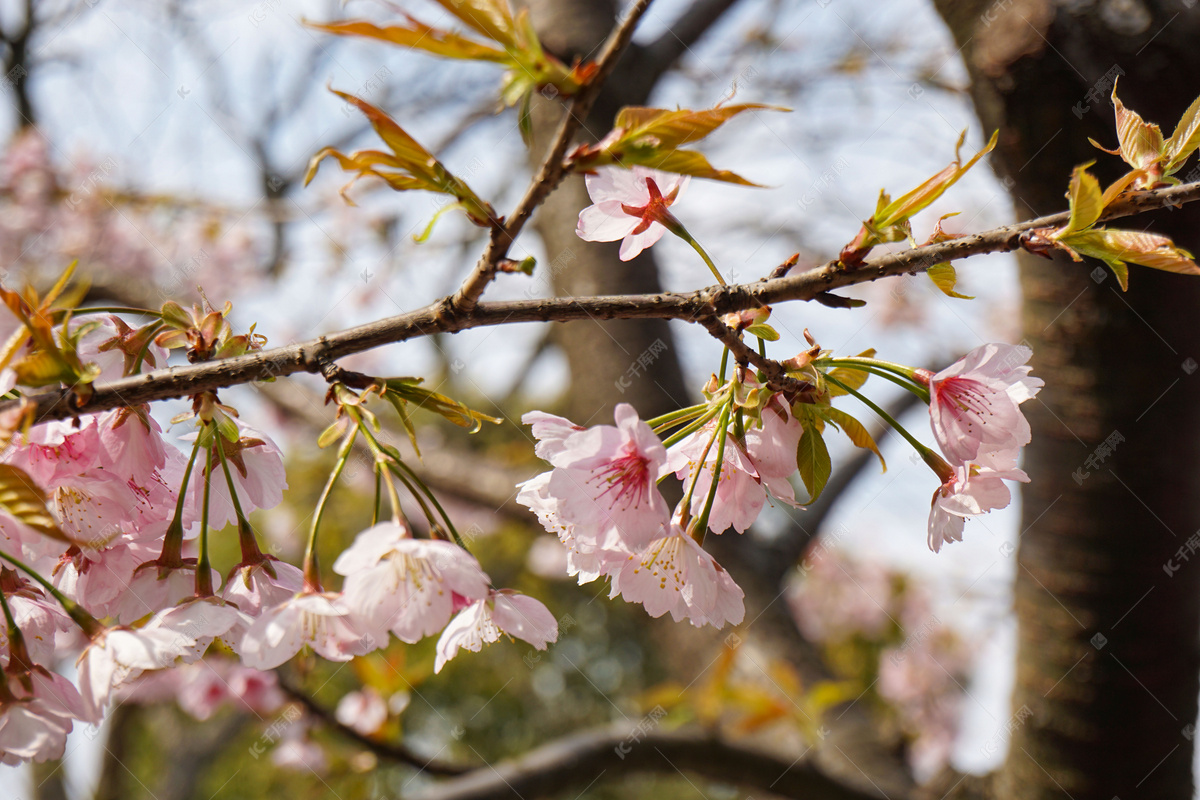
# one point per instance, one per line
(388, 750)
(442, 316)
(565, 766)
(661, 54)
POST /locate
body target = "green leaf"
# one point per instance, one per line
(856, 431)
(24, 501)
(1085, 199)
(670, 129)
(1141, 144)
(1184, 140)
(1115, 247)
(683, 162)
(415, 167)
(650, 137)
(812, 458)
(919, 198)
(853, 378)
(418, 36)
(945, 278)
(458, 413)
(763, 331)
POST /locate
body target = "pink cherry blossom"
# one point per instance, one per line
(974, 489)
(606, 483)
(406, 585)
(550, 432)
(202, 691)
(34, 725)
(132, 444)
(586, 559)
(254, 689)
(675, 574)
(256, 465)
(38, 618)
(740, 488)
(316, 620)
(299, 752)
(771, 447)
(153, 587)
(974, 403)
(363, 711)
(630, 204)
(482, 622)
(252, 587)
(118, 655)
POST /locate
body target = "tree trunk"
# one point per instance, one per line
(1107, 657)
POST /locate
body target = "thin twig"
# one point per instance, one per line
(388, 750)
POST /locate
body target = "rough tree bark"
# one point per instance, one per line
(1107, 658)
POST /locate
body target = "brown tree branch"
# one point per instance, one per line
(552, 170)
(441, 316)
(574, 762)
(388, 750)
(661, 54)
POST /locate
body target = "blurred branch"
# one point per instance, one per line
(392, 752)
(553, 167)
(577, 761)
(661, 54)
(445, 316)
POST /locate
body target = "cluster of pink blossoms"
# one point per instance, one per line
(128, 595)
(975, 415)
(603, 502)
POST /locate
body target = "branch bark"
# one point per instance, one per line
(577, 761)
(313, 355)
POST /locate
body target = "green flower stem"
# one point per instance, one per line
(682, 433)
(249, 545)
(312, 576)
(16, 640)
(897, 374)
(682, 233)
(408, 484)
(433, 499)
(145, 312)
(679, 415)
(926, 452)
(378, 499)
(78, 614)
(381, 458)
(717, 431)
(172, 551)
(700, 526)
(204, 587)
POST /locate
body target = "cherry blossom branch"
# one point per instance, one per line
(574, 762)
(552, 170)
(443, 317)
(390, 751)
